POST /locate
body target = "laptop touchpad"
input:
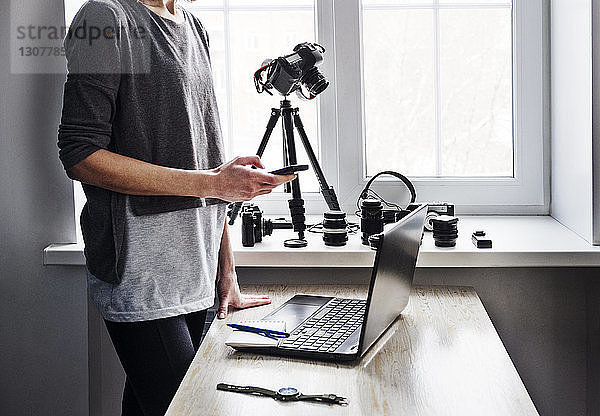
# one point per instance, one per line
(293, 314)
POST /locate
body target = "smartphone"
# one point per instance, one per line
(288, 170)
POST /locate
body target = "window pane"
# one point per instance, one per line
(399, 91)
(271, 3)
(478, 2)
(476, 92)
(258, 30)
(71, 9)
(393, 3)
(438, 87)
(213, 22)
(254, 37)
(190, 4)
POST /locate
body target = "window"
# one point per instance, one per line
(244, 33)
(449, 92)
(71, 8)
(438, 88)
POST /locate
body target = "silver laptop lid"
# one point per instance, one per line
(392, 276)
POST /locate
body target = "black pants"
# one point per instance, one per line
(155, 355)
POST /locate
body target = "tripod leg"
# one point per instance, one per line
(275, 114)
(287, 187)
(327, 191)
(296, 204)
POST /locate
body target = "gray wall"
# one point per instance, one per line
(43, 311)
(107, 377)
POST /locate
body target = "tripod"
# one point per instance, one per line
(291, 119)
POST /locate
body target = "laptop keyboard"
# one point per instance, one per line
(326, 330)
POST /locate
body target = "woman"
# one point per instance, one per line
(140, 130)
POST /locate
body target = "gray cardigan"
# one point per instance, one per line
(141, 86)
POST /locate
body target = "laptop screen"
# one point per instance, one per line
(392, 276)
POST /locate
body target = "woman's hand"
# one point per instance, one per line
(236, 181)
(229, 295)
(228, 290)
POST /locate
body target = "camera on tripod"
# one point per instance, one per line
(290, 73)
(255, 226)
(294, 72)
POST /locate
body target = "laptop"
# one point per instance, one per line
(337, 329)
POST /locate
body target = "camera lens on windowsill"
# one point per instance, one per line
(375, 241)
(335, 228)
(371, 218)
(445, 231)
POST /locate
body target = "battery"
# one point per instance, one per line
(480, 240)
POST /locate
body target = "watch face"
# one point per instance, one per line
(288, 391)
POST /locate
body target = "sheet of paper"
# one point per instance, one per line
(240, 339)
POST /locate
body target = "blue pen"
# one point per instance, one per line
(269, 333)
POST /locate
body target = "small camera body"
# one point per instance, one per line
(437, 209)
(252, 225)
(255, 226)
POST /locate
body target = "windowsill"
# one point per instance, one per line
(538, 241)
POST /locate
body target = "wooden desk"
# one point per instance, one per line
(441, 357)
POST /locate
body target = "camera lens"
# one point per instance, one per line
(267, 227)
(445, 231)
(335, 228)
(314, 81)
(371, 219)
(297, 212)
(375, 241)
(257, 223)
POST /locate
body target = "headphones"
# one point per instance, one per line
(401, 212)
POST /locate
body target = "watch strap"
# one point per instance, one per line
(325, 398)
(246, 389)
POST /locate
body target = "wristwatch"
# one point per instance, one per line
(285, 394)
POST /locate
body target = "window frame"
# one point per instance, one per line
(526, 193)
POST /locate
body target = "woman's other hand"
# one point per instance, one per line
(230, 296)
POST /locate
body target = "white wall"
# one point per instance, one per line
(596, 117)
(571, 96)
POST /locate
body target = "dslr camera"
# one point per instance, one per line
(255, 227)
(292, 72)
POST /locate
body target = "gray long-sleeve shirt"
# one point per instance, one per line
(141, 86)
